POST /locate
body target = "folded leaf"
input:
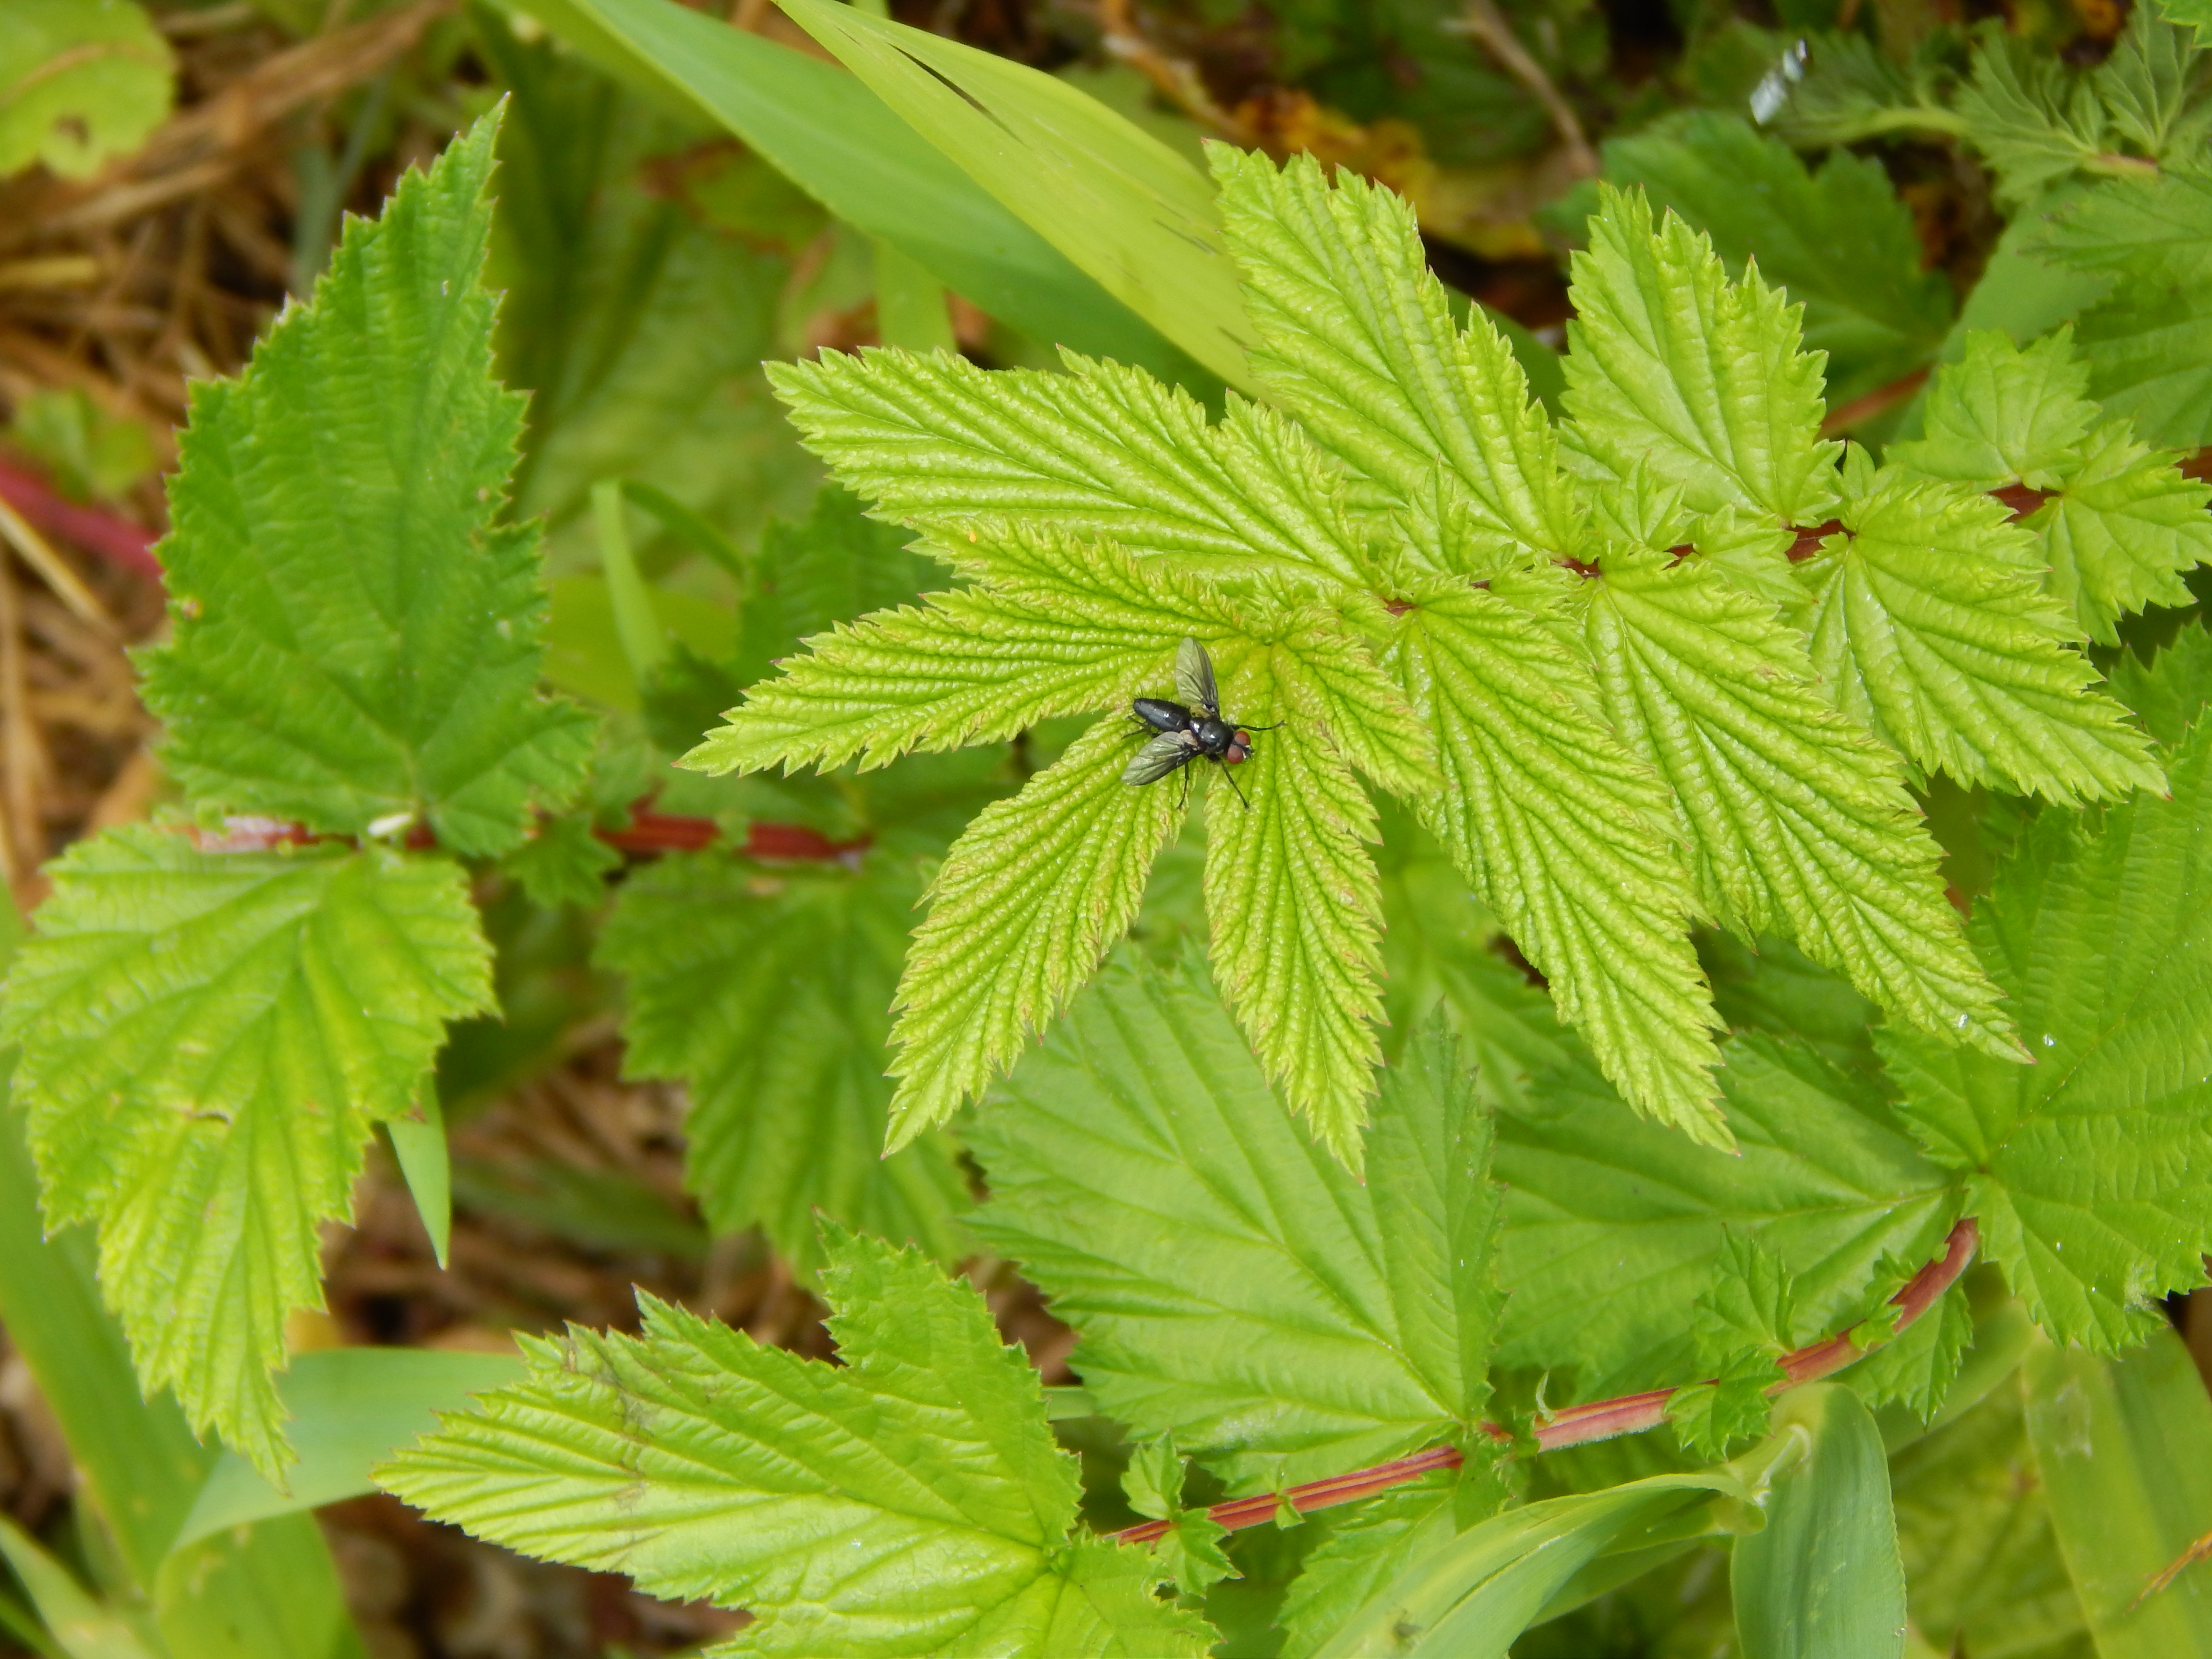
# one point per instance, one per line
(908, 1502)
(1234, 1283)
(1556, 827)
(1929, 623)
(357, 637)
(1797, 820)
(208, 1040)
(2084, 1167)
(768, 995)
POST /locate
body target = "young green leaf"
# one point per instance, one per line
(769, 993)
(1356, 340)
(2148, 341)
(1929, 623)
(2080, 1167)
(1798, 821)
(1740, 1325)
(564, 862)
(908, 1502)
(1102, 451)
(208, 1040)
(1191, 1550)
(1295, 911)
(1030, 897)
(1672, 365)
(357, 637)
(1558, 829)
(1233, 1283)
(1840, 239)
(2033, 121)
(2121, 523)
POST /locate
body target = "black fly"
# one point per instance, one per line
(1190, 730)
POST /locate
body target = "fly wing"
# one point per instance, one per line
(1194, 678)
(1159, 757)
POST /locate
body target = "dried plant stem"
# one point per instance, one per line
(1485, 22)
(1178, 80)
(1603, 1419)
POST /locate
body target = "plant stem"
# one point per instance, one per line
(1577, 1425)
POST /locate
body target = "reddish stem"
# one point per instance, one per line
(1602, 1419)
(94, 529)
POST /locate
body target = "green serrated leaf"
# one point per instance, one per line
(1030, 897)
(1671, 366)
(768, 992)
(1102, 451)
(1295, 911)
(1839, 240)
(1916, 1368)
(1798, 821)
(2121, 523)
(1191, 1551)
(1357, 341)
(1234, 1283)
(2082, 1168)
(357, 638)
(1738, 1326)
(834, 564)
(208, 1040)
(908, 1502)
(2148, 341)
(2033, 121)
(1929, 623)
(1070, 627)
(1557, 828)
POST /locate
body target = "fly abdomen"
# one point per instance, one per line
(1161, 714)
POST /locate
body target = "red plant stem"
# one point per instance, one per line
(1602, 1419)
(94, 529)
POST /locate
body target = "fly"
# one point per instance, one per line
(1191, 729)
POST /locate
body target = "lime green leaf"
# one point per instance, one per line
(1070, 627)
(1101, 451)
(1557, 828)
(1671, 365)
(207, 1040)
(1916, 1369)
(2123, 523)
(2145, 83)
(1929, 623)
(2125, 1449)
(768, 992)
(2004, 414)
(1839, 240)
(80, 80)
(1234, 1283)
(2148, 341)
(1823, 1578)
(357, 639)
(1798, 821)
(1358, 342)
(908, 1502)
(834, 564)
(1612, 1228)
(1120, 204)
(1030, 897)
(1191, 1551)
(1295, 910)
(2083, 1167)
